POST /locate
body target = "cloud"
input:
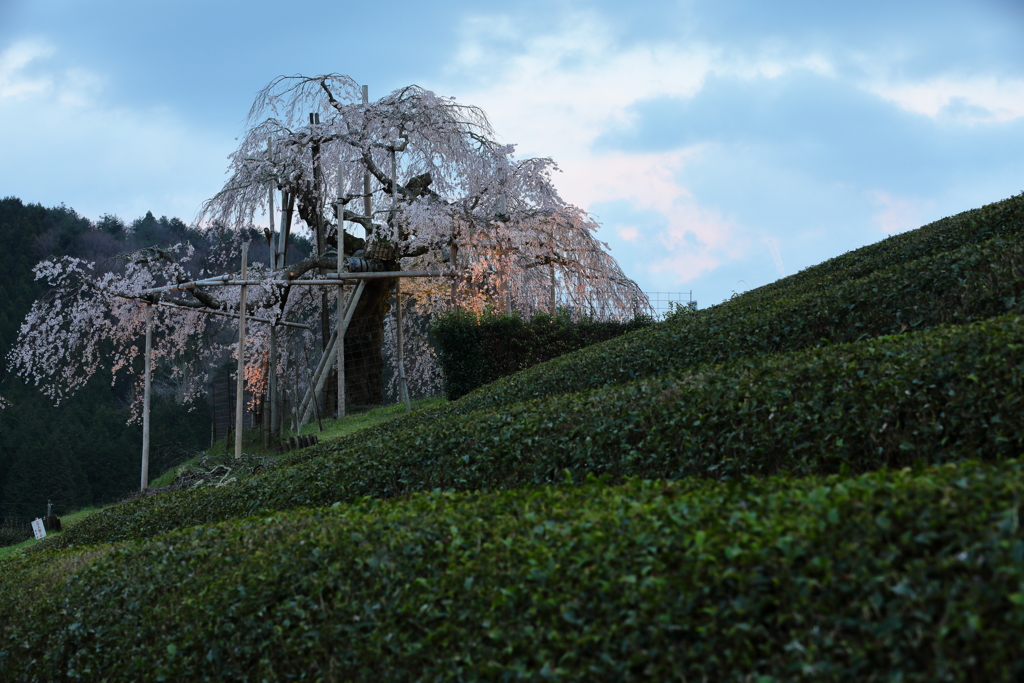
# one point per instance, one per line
(73, 147)
(629, 233)
(701, 151)
(557, 93)
(963, 100)
(898, 215)
(15, 83)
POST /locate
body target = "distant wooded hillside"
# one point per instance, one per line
(82, 452)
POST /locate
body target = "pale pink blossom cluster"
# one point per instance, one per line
(464, 202)
(457, 201)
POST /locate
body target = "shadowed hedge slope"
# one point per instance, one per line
(812, 508)
(909, 575)
(957, 270)
(497, 437)
(936, 396)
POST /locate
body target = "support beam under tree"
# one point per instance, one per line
(320, 375)
(240, 385)
(145, 397)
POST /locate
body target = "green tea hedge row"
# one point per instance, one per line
(937, 396)
(473, 350)
(971, 283)
(959, 269)
(901, 575)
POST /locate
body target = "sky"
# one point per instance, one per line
(721, 144)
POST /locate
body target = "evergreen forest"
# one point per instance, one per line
(83, 452)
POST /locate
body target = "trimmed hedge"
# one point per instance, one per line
(959, 269)
(475, 350)
(936, 396)
(900, 575)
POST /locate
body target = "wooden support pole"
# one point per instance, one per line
(340, 332)
(240, 383)
(145, 397)
(552, 265)
(275, 426)
(265, 414)
(288, 199)
(326, 361)
(403, 387)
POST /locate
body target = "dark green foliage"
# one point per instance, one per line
(767, 556)
(476, 350)
(937, 396)
(81, 452)
(900, 575)
(14, 530)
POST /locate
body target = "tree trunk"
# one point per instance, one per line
(364, 341)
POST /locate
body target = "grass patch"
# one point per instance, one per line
(252, 440)
(67, 521)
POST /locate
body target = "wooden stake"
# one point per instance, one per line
(327, 359)
(145, 397)
(275, 427)
(240, 384)
(552, 289)
(341, 298)
(402, 386)
(340, 332)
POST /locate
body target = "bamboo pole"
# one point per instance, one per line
(146, 395)
(240, 383)
(552, 289)
(226, 314)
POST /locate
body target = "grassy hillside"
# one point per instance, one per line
(813, 509)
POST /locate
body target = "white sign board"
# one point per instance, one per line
(38, 529)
